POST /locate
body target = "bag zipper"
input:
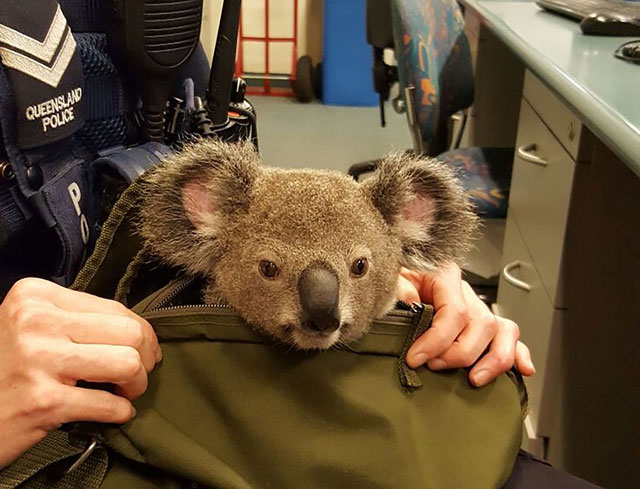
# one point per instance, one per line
(160, 304)
(174, 291)
(221, 307)
(403, 309)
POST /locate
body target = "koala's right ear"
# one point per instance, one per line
(424, 207)
(192, 196)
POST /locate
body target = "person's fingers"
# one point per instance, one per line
(467, 347)
(94, 328)
(474, 339)
(447, 323)
(119, 365)
(48, 293)
(450, 319)
(30, 289)
(67, 299)
(422, 282)
(406, 291)
(524, 364)
(74, 301)
(82, 404)
(501, 354)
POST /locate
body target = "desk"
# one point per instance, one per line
(573, 227)
(581, 70)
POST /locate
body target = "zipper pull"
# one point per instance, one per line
(417, 307)
(404, 306)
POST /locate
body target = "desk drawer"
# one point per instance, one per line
(522, 299)
(563, 123)
(540, 194)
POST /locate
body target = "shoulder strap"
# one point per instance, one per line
(116, 247)
(118, 267)
(43, 467)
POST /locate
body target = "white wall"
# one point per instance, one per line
(280, 25)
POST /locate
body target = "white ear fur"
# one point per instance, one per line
(191, 198)
(425, 207)
(417, 217)
(197, 202)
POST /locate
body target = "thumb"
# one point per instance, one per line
(406, 291)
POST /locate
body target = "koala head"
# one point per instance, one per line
(310, 257)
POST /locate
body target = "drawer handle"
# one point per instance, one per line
(506, 273)
(526, 153)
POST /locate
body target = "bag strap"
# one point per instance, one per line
(39, 468)
(408, 377)
(116, 247)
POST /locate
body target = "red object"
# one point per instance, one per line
(267, 88)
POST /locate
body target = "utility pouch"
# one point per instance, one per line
(230, 408)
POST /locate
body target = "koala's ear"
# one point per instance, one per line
(425, 208)
(192, 197)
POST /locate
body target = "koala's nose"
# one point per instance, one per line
(318, 290)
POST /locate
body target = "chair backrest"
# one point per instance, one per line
(433, 56)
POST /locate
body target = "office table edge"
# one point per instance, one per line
(621, 136)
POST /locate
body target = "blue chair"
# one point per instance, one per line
(436, 81)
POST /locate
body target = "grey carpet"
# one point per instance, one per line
(295, 135)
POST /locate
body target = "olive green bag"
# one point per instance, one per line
(229, 408)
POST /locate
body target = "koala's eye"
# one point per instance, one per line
(359, 267)
(268, 269)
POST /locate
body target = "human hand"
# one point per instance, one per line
(52, 337)
(462, 328)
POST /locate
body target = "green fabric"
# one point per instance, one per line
(228, 408)
(408, 377)
(115, 249)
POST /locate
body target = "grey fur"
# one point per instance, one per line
(237, 213)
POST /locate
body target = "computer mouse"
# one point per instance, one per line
(601, 24)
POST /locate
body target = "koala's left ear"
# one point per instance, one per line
(425, 208)
(193, 197)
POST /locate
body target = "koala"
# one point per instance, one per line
(310, 257)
